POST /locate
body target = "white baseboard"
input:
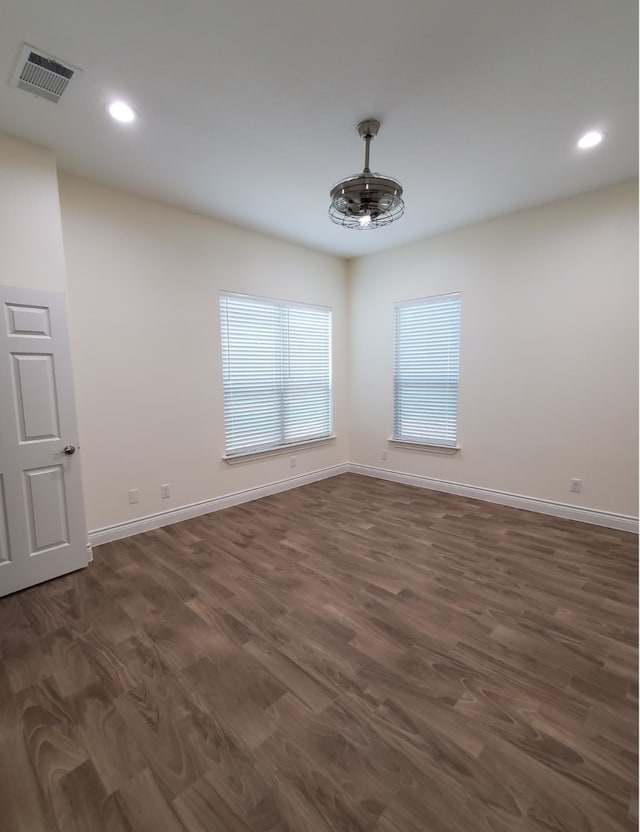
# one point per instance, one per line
(175, 515)
(610, 520)
(622, 522)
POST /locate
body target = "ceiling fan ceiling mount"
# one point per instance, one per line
(368, 128)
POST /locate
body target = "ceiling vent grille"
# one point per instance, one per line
(42, 74)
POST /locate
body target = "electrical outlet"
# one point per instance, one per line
(292, 462)
(575, 485)
(383, 455)
(165, 491)
(134, 497)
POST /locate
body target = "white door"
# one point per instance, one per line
(42, 526)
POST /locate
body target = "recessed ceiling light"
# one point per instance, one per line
(590, 139)
(121, 111)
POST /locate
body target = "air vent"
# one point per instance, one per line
(42, 74)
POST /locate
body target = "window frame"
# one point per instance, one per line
(280, 389)
(412, 441)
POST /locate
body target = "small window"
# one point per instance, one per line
(427, 363)
(276, 370)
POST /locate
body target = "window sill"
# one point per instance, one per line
(250, 456)
(424, 446)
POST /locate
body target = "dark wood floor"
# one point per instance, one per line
(353, 655)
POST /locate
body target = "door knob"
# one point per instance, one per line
(69, 450)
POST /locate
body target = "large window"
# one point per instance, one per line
(276, 369)
(427, 361)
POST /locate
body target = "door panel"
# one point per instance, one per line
(47, 509)
(35, 396)
(42, 526)
(29, 321)
(5, 553)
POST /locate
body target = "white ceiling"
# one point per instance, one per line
(248, 108)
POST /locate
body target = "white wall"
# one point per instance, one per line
(143, 293)
(549, 374)
(549, 344)
(31, 251)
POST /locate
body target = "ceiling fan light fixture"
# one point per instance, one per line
(366, 200)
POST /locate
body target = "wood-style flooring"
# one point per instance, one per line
(352, 655)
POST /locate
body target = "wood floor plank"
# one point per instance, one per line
(20, 649)
(25, 808)
(81, 804)
(51, 735)
(307, 794)
(113, 749)
(350, 656)
(554, 801)
(366, 788)
(108, 663)
(143, 807)
(241, 688)
(289, 674)
(156, 729)
(202, 809)
(67, 661)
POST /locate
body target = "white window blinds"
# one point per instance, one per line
(276, 369)
(427, 362)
